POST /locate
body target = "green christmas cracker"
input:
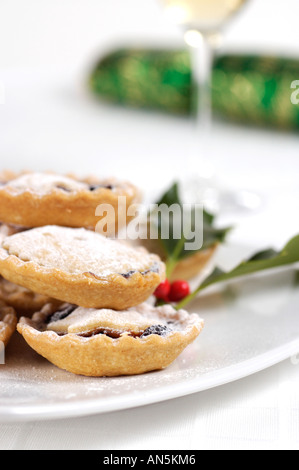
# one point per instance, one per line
(252, 89)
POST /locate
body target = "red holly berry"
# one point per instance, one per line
(178, 291)
(163, 290)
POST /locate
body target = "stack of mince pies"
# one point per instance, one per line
(79, 298)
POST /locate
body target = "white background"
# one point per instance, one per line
(48, 121)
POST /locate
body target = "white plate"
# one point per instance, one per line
(250, 325)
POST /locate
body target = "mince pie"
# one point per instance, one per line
(8, 322)
(106, 342)
(80, 266)
(37, 199)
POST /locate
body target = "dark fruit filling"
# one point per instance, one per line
(62, 313)
(63, 188)
(160, 330)
(101, 331)
(153, 269)
(94, 187)
(129, 274)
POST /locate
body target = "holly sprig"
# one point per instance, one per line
(174, 248)
(262, 261)
(265, 260)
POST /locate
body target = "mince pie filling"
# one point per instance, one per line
(153, 269)
(94, 187)
(139, 322)
(90, 187)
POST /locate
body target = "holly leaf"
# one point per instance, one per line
(262, 261)
(174, 247)
(171, 196)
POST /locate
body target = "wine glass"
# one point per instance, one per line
(202, 22)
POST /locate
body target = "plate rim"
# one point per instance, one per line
(77, 408)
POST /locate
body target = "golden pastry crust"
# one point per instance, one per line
(187, 268)
(69, 201)
(100, 355)
(80, 267)
(190, 267)
(8, 323)
(24, 301)
(7, 230)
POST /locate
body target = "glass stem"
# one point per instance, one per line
(202, 55)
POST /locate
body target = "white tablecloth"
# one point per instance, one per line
(48, 121)
(259, 412)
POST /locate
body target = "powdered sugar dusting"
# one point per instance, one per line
(76, 251)
(44, 183)
(83, 320)
(135, 319)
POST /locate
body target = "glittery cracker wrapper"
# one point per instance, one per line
(154, 79)
(250, 89)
